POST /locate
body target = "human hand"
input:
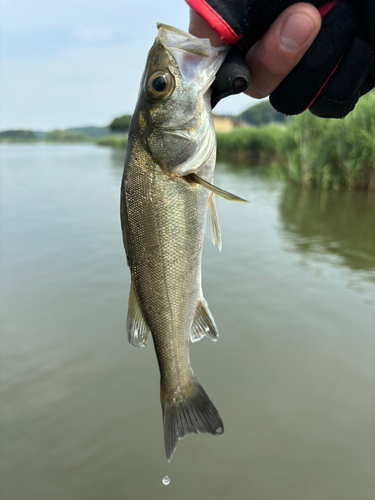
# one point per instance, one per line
(277, 52)
(325, 71)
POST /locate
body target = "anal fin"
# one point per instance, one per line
(203, 324)
(137, 329)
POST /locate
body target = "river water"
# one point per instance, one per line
(292, 293)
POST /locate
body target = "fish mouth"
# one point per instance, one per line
(199, 51)
(198, 46)
(196, 59)
(175, 30)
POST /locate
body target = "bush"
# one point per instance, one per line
(260, 114)
(120, 124)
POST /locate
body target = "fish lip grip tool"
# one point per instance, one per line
(232, 78)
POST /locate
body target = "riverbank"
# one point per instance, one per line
(311, 151)
(113, 141)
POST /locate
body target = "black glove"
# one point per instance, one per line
(337, 69)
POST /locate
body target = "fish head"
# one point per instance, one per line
(174, 110)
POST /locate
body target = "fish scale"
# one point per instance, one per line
(166, 206)
(163, 217)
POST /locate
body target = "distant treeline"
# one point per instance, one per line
(78, 134)
(18, 136)
(313, 151)
(66, 136)
(255, 115)
(114, 134)
(259, 114)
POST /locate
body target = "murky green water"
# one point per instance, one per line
(293, 295)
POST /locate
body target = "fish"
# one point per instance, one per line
(167, 193)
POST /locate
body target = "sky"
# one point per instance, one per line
(67, 63)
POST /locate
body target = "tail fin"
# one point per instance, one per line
(196, 414)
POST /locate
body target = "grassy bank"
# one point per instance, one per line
(113, 141)
(256, 144)
(66, 136)
(312, 151)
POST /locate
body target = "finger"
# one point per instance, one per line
(344, 87)
(198, 27)
(281, 48)
(316, 73)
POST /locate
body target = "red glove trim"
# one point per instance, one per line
(216, 22)
(324, 84)
(324, 9)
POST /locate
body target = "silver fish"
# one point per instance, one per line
(166, 196)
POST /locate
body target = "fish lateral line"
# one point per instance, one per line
(194, 178)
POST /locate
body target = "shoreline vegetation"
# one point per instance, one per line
(310, 151)
(113, 141)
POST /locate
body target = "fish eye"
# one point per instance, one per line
(160, 85)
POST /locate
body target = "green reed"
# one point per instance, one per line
(327, 153)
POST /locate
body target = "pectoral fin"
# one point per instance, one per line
(212, 223)
(136, 326)
(203, 324)
(220, 192)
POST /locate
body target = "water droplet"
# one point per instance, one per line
(219, 430)
(166, 480)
